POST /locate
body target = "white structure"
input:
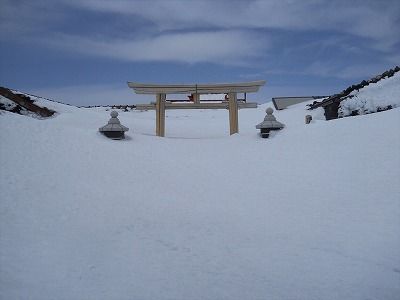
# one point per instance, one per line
(284, 102)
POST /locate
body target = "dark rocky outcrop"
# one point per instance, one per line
(24, 102)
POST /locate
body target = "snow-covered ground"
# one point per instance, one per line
(311, 213)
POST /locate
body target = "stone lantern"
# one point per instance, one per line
(269, 123)
(113, 129)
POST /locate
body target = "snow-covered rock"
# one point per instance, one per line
(22, 104)
(377, 94)
(383, 95)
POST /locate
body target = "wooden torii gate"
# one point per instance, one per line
(195, 90)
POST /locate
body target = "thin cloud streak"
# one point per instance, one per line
(374, 20)
(226, 47)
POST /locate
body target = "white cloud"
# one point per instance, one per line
(229, 47)
(181, 31)
(377, 20)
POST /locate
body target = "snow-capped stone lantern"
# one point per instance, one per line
(114, 129)
(269, 123)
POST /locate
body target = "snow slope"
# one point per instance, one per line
(372, 98)
(311, 213)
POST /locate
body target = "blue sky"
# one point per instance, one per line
(83, 52)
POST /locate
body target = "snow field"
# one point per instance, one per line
(311, 213)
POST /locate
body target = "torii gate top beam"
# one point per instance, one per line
(217, 88)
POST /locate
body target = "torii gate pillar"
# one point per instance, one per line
(233, 114)
(160, 114)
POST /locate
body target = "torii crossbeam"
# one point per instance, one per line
(195, 90)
